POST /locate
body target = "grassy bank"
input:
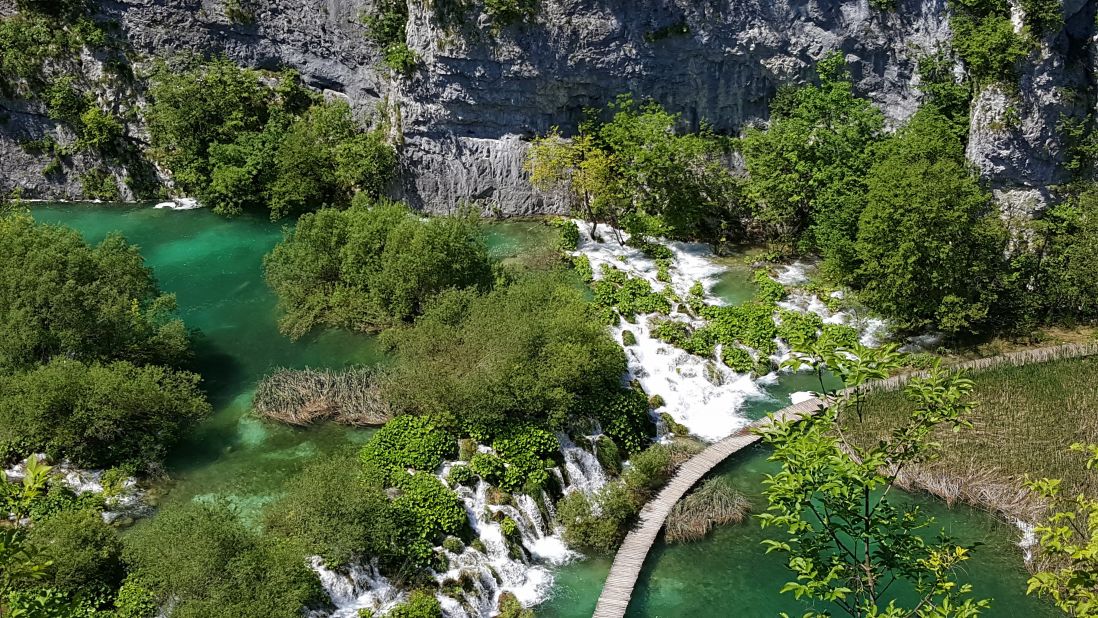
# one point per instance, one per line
(1026, 419)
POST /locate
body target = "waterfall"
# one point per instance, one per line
(360, 587)
(582, 468)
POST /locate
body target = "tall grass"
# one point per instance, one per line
(1026, 418)
(305, 396)
(714, 503)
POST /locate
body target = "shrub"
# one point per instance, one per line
(85, 553)
(100, 415)
(838, 336)
(628, 338)
(676, 428)
(210, 565)
(434, 509)
(510, 607)
(608, 454)
(751, 324)
(488, 467)
(99, 184)
(369, 267)
(597, 522)
(648, 470)
(461, 475)
(453, 544)
(420, 604)
(799, 330)
(625, 418)
(582, 264)
(569, 235)
(655, 401)
(629, 295)
(59, 296)
(554, 356)
(414, 442)
(334, 511)
(767, 290)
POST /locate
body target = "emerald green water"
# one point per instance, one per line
(214, 267)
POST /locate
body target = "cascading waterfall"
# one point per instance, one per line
(476, 577)
(126, 502)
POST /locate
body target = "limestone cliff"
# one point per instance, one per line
(480, 92)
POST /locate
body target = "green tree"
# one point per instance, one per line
(202, 559)
(1069, 541)
(337, 512)
(60, 297)
(99, 415)
(533, 351)
(371, 266)
(84, 552)
(847, 541)
(1068, 271)
(808, 167)
(930, 244)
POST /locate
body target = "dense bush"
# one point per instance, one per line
(435, 510)
(237, 144)
(807, 169)
(60, 297)
(599, 521)
(930, 244)
(371, 266)
(984, 38)
(408, 441)
(202, 559)
(625, 417)
(85, 554)
(629, 295)
(99, 415)
(635, 171)
(528, 352)
(1067, 276)
(336, 512)
(420, 604)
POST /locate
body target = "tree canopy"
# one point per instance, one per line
(371, 266)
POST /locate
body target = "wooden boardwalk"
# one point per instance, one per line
(618, 589)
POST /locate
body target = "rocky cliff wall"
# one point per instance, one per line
(481, 92)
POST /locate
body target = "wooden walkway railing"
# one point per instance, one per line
(618, 589)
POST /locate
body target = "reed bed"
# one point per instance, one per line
(305, 396)
(1026, 418)
(714, 503)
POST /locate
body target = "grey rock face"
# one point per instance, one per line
(480, 93)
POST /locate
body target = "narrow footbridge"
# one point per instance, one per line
(619, 585)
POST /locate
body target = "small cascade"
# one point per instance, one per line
(360, 587)
(127, 501)
(581, 467)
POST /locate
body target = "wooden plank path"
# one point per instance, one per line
(618, 589)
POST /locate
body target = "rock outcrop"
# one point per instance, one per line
(480, 92)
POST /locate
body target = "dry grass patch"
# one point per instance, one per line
(714, 503)
(306, 396)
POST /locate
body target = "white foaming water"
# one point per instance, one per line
(359, 587)
(699, 393)
(478, 577)
(180, 203)
(128, 502)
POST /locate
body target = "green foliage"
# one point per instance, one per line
(625, 418)
(835, 336)
(569, 235)
(847, 541)
(510, 607)
(1067, 276)
(1043, 16)
(488, 467)
(636, 172)
(420, 604)
(628, 338)
(597, 522)
(202, 558)
(100, 415)
(21, 564)
(99, 184)
(808, 168)
(335, 511)
(409, 442)
(461, 475)
(237, 144)
(1069, 541)
(941, 89)
(582, 264)
(929, 242)
(629, 295)
(99, 131)
(750, 324)
(799, 330)
(767, 290)
(134, 601)
(984, 39)
(737, 359)
(505, 12)
(20, 499)
(525, 450)
(435, 510)
(608, 454)
(530, 352)
(85, 554)
(371, 266)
